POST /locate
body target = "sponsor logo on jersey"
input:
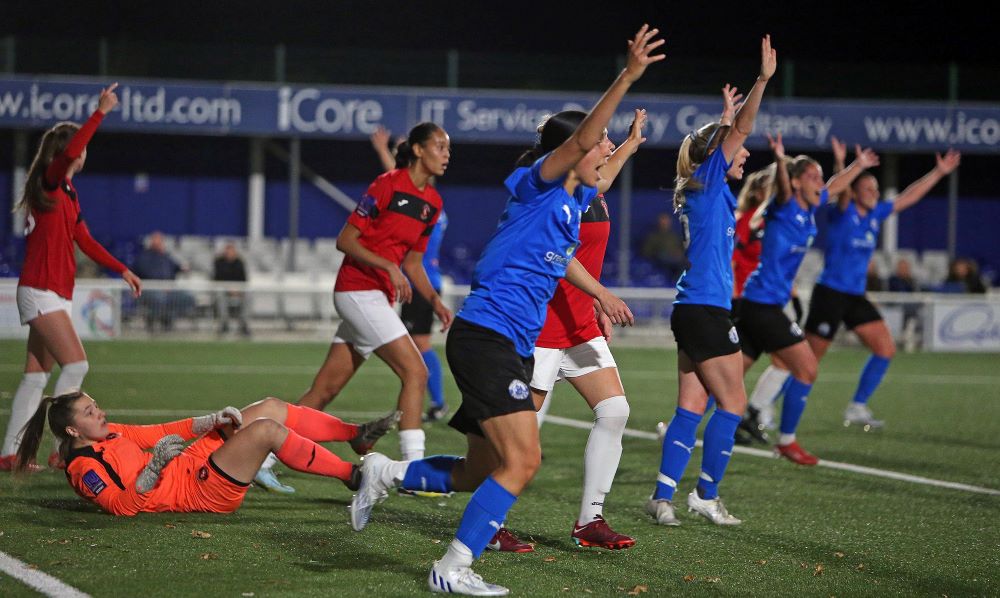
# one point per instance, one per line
(555, 256)
(403, 202)
(518, 390)
(730, 231)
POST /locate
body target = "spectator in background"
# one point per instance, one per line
(872, 280)
(154, 263)
(664, 247)
(963, 277)
(229, 268)
(902, 280)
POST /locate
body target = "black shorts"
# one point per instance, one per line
(704, 331)
(765, 329)
(418, 315)
(493, 379)
(828, 308)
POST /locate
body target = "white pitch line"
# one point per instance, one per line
(872, 471)
(43, 582)
(310, 370)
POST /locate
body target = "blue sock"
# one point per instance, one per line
(431, 474)
(795, 403)
(484, 515)
(435, 382)
(677, 446)
(871, 377)
(710, 404)
(720, 435)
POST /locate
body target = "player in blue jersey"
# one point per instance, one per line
(839, 294)
(492, 341)
(708, 347)
(788, 235)
(418, 314)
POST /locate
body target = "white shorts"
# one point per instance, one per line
(552, 365)
(367, 321)
(32, 302)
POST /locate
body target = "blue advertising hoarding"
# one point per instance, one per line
(479, 116)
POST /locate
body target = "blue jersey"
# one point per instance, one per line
(432, 264)
(851, 240)
(709, 222)
(788, 235)
(528, 253)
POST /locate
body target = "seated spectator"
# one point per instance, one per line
(154, 263)
(229, 268)
(873, 282)
(664, 247)
(963, 277)
(902, 280)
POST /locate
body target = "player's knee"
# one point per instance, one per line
(613, 411)
(273, 407)
(886, 349)
(415, 373)
(806, 372)
(524, 465)
(264, 428)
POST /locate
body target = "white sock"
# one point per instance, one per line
(768, 386)
(71, 377)
(786, 439)
(26, 401)
(601, 457)
(411, 444)
(269, 461)
(544, 409)
(458, 555)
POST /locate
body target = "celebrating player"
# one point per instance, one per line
(490, 348)
(45, 289)
(839, 294)
(708, 346)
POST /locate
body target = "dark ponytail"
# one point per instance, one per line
(60, 415)
(552, 133)
(418, 136)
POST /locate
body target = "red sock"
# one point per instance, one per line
(302, 454)
(317, 425)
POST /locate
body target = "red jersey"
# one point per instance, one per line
(571, 320)
(105, 472)
(49, 260)
(746, 254)
(394, 218)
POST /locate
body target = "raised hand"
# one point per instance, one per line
(635, 131)
(776, 145)
(730, 104)
(768, 59)
(839, 149)
(865, 158)
(639, 48)
(380, 138)
(219, 419)
(108, 99)
(947, 163)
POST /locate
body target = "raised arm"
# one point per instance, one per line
(863, 160)
(747, 112)
(591, 130)
(380, 143)
(784, 185)
(610, 171)
(58, 168)
(839, 149)
(946, 164)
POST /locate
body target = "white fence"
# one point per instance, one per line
(300, 307)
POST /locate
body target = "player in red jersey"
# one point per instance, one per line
(107, 463)
(45, 290)
(573, 346)
(385, 237)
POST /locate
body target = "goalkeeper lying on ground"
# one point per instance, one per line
(108, 464)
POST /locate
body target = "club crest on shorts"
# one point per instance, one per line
(518, 390)
(733, 336)
(795, 329)
(823, 328)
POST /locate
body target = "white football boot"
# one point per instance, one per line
(712, 509)
(461, 580)
(859, 414)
